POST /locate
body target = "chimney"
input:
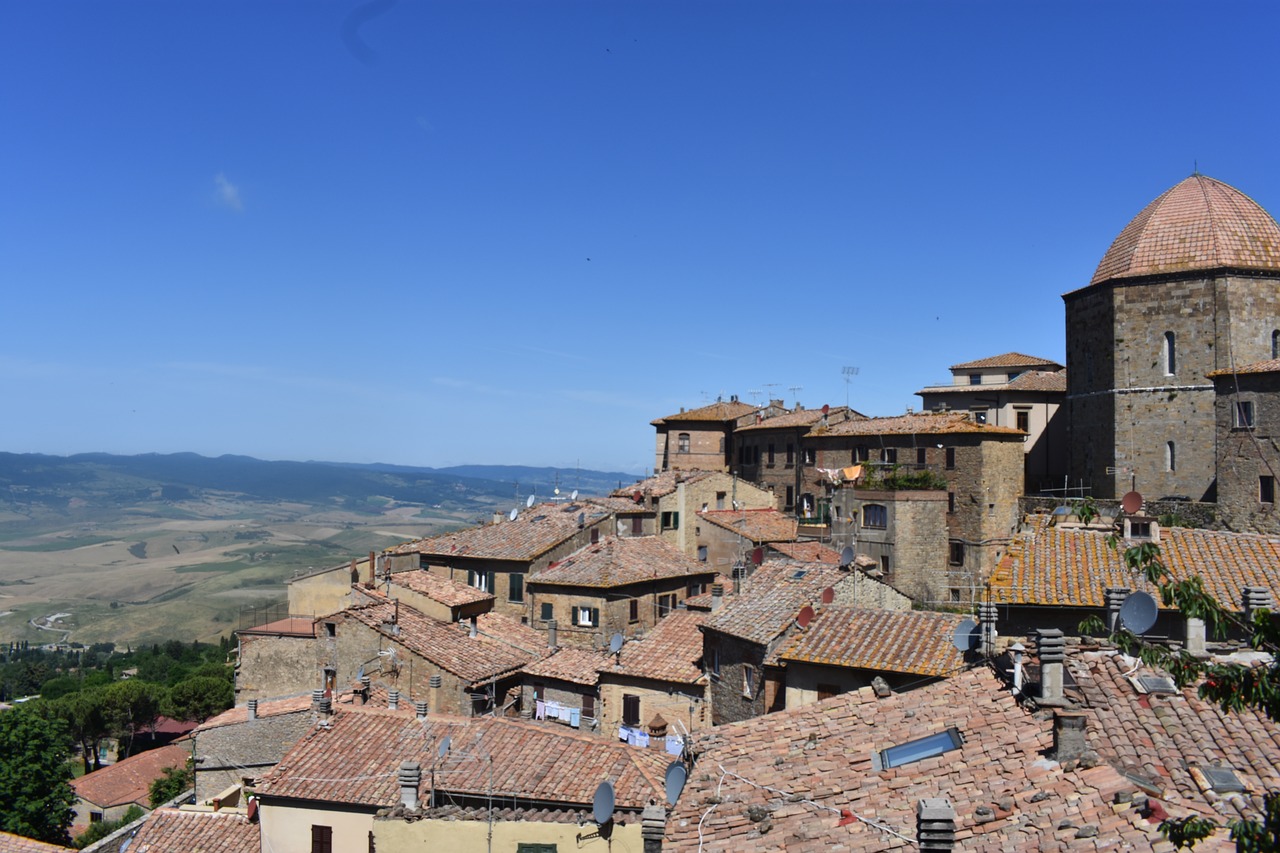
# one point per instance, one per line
(410, 778)
(653, 826)
(420, 710)
(474, 627)
(434, 683)
(987, 637)
(253, 709)
(935, 824)
(737, 579)
(1256, 598)
(717, 596)
(1115, 600)
(321, 704)
(1069, 728)
(372, 582)
(393, 700)
(497, 517)
(366, 684)
(552, 634)
(1195, 637)
(1052, 647)
(355, 572)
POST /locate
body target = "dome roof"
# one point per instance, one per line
(1199, 224)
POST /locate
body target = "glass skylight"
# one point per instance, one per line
(920, 749)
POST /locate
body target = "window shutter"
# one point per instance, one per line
(595, 617)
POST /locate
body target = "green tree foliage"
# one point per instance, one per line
(174, 781)
(199, 698)
(35, 777)
(103, 828)
(83, 713)
(130, 707)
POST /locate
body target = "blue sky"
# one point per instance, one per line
(515, 233)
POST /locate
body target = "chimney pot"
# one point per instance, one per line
(393, 700)
(475, 626)
(1195, 637)
(717, 596)
(1052, 648)
(420, 710)
(1115, 596)
(410, 777)
(935, 824)
(253, 709)
(653, 826)
(435, 682)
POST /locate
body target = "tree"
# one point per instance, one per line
(174, 781)
(35, 776)
(83, 714)
(199, 698)
(103, 828)
(129, 707)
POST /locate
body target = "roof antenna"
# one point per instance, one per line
(1195, 168)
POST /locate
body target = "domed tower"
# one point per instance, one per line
(1191, 285)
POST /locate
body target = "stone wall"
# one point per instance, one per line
(1185, 513)
(911, 548)
(1245, 456)
(669, 700)
(272, 667)
(228, 754)
(728, 704)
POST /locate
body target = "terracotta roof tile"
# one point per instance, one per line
(448, 592)
(175, 831)
(355, 761)
(1199, 223)
(671, 651)
(10, 843)
(660, 485)
(614, 562)
(771, 597)
(904, 641)
(129, 781)
(717, 412)
(266, 708)
(1271, 365)
(802, 418)
(577, 666)
(1008, 359)
(806, 552)
(1072, 567)
(818, 760)
(535, 531)
(923, 423)
(756, 525)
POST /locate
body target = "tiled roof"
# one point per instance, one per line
(1073, 566)
(174, 831)
(660, 485)
(266, 708)
(614, 562)
(1198, 224)
(757, 525)
(577, 666)
(806, 552)
(535, 531)
(923, 423)
(671, 651)
(1166, 740)
(718, 411)
(906, 641)
(772, 597)
(502, 644)
(801, 418)
(1271, 365)
(355, 761)
(10, 843)
(129, 781)
(448, 592)
(819, 759)
(1008, 359)
(622, 506)
(1045, 381)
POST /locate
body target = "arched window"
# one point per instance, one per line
(1170, 457)
(682, 443)
(1170, 355)
(1275, 343)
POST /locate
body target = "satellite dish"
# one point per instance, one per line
(805, 616)
(573, 496)
(757, 556)
(828, 595)
(826, 409)
(966, 636)
(637, 496)
(602, 804)
(444, 746)
(846, 556)
(514, 512)
(556, 490)
(615, 644)
(1131, 503)
(676, 776)
(1138, 613)
(528, 501)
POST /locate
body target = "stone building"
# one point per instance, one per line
(563, 689)
(1189, 287)
(700, 438)
(904, 533)
(730, 538)
(1246, 429)
(244, 743)
(772, 453)
(1019, 391)
(675, 496)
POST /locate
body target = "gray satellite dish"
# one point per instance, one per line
(615, 644)
(846, 555)
(514, 512)
(676, 776)
(602, 804)
(1138, 613)
(444, 746)
(573, 496)
(529, 501)
(966, 636)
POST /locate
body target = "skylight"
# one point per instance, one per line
(799, 574)
(1159, 684)
(920, 749)
(1223, 779)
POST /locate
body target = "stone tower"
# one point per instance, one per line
(1191, 285)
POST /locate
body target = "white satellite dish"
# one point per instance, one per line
(846, 555)
(676, 776)
(528, 501)
(514, 512)
(602, 804)
(573, 496)
(615, 644)
(444, 746)
(1138, 613)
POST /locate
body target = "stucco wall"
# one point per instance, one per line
(287, 828)
(272, 667)
(472, 836)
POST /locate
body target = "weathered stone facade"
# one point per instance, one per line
(229, 754)
(269, 667)
(629, 610)
(1247, 428)
(905, 532)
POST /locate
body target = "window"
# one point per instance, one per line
(1170, 354)
(748, 681)
(886, 565)
(321, 839)
(637, 525)
(695, 588)
(528, 847)
(548, 611)
(720, 496)
(889, 455)
(330, 629)
(1242, 414)
(702, 553)
(482, 581)
(95, 817)
(586, 617)
(861, 453)
(955, 595)
(1275, 344)
(808, 456)
(920, 749)
(1022, 419)
(1223, 780)
(791, 497)
(979, 416)
(975, 378)
(666, 603)
(769, 455)
(670, 521)
(826, 691)
(633, 610)
(1013, 374)
(539, 692)
(921, 455)
(682, 443)
(1170, 456)
(630, 709)
(957, 554)
(951, 501)
(1267, 489)
(791, 454)
(951, 458)
(875, 515)
(713, 662)
(595, 536)
(515, 591)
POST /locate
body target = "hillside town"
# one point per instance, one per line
(809, 628)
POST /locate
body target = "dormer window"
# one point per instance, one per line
(1141, 530)
(975, 378)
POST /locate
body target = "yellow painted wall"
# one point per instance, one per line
(392, 835)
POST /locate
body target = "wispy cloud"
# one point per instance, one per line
(228, 193)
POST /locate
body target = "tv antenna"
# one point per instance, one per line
(795, 392)
(754, 394)
(848, 371)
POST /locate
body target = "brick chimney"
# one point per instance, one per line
(373, 564)
(653, 826)
(987, 629)
(935, 824)
(410, 777)
(1052, 647)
